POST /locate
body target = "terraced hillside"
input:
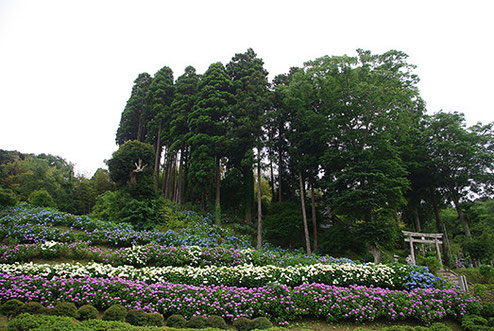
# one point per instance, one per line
(51, 257)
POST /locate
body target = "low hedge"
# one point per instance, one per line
(26, 322)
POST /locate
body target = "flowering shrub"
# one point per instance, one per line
(27, 224)
(281, 303)
(158, 255)
(419, 278)
(242, 275)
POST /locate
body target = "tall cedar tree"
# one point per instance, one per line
(278, 130)
(208, 132)
(250, 88)
(133, 122)
(186, 94)
(160, 98)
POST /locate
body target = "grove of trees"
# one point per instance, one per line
(347, 135)
(344, 142)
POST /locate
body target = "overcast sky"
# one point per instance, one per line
(67, 67)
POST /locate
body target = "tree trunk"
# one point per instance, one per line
(186, 175)
(248, 192)
(173, 181)
(218, 182)
(440, 226)
(181, 178)
(280, 172)
(302, 200)
(418, 227)
(166, 167)
(166, 179)
(171, 177)
(140, 127)
(314, 221)
(416, 220)
(157, 158)
(376, 253)
(165, 172)
(259, 204)
(463, 220)
(202, 201)
(272, 175)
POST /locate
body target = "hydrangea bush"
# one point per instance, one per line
(389, 276)
(27, 224)
(205, 270)
(154, 254)
(282, 303)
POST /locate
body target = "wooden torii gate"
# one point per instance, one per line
(424, 238)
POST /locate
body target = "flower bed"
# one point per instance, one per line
(389, 276)
(158, 255)
(26, 224)
(279, 302)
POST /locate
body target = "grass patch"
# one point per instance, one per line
(348, 326)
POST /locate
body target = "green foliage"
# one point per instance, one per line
(101, 182)
(11, 307)
(7, 197)
(216, 322)
(365, 178)
(488, 310)
(483, 291)
(99, 325)
(65, 309)
(155, 319)
(132, 123)
(208, 128)
(439, 327)
(250, 89)
(283, 224)
(41, 322)
(26, 322)
(462, 159)
(186, 94)
(85, 195)
(159, 98)
(196, 322)
(487, 273)
(131, 168)
(480, 248)
(474, 323)
(260, 323)
(341, 239)
(266, 194)
(242, 324)
(115, 313)
(24, 174)
(245, 324)
(87, 312)
(383, 232)
(430, 262)
(136, 317)
(33, 308)
(434, 327)
(176, 321)
(120, 206)
(41, 198)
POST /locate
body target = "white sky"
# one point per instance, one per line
(67, 67)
